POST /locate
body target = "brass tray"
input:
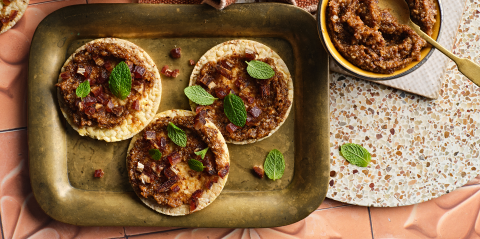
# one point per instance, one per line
(62, 162)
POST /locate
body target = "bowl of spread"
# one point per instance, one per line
(369, 43)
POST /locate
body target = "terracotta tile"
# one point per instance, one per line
(344, 222)
(14, 48)
(112, 1)
(455, 215)
(142, 230)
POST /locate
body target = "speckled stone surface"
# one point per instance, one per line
(421, 149)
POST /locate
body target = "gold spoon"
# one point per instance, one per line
(399, 9)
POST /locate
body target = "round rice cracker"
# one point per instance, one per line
(134, 123)
(238, 47)
(208, 196)
(18, 5)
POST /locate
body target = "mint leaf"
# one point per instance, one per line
(83, 89)
(155, 153)
(177, 135)
(260, 70)
(274, 165)
(199, 95)
(234, 108)
(120, 81)
(355, 154)
(202, 153)
(196, 165)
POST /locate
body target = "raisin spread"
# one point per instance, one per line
(169, 180)
(266, 101)
(372, 39)
(101, 108)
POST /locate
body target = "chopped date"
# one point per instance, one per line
(110, 106)
(139, 71)
(209, 184)
(199, 120)
(97, 90)
(176, 52)
(174, 158)
(205, 80)
(227, 64)
(164, 69)
(150, 135)
(255, 111)
(191, 62)
(88, 71)
(194, 199)
(98, 60)
(258, 171)
(250, 54)
(167, 184)
(241, 83)
(175, 188)
(13, 14)
(250, 121)
(65, 75)
(248, 99)
(265, 90)
(222, 92)
(224, 72)
(136, 105)
(129, 64)
(199, 108)
(169, 173)
(231, 127)
(90, 110)
(108, 65)
(175, 73)
(103, 76)
(118, 110)
(98, 173)
(87, 101)
(162, 143)
(223, 172)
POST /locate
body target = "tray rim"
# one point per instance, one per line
(57, 190)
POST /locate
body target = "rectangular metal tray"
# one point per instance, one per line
(62, 162)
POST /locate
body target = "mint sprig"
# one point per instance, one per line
(83, 89)
(177, 135)
(274, 165)
(260, 70)
(199, 95)
(234, 109)
(202, 153)
(355, 154)
(196, 165)
(120, 81)
(155, 154)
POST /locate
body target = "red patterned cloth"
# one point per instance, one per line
(309, 5)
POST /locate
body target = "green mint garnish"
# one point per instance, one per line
(199, 95)
(83, 89)
(202, 153)
(274, 165)
(155, 153)
(177, 135)
(355, 154)
(120, 81)
(196, 165)
(260, 70)
(234, 108)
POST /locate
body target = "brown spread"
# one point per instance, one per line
(372, 39)
(101, 108)
(169, 180)
(266, 101)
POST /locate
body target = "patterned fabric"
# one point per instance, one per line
(308, 5)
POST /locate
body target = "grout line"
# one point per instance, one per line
(370, 217)
(125, 233)
(1, 226)
(48, 1)
(12, 130)
(158, 232)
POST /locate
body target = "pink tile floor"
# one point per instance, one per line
(455, 215)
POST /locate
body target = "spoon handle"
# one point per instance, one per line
(469, 68)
